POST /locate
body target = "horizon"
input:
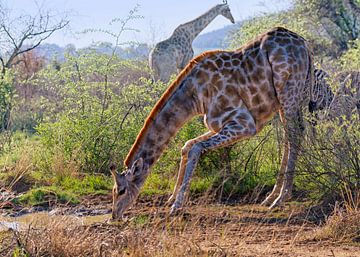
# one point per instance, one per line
(152, 28)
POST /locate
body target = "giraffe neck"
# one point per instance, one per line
(181, 106)
(194, 27)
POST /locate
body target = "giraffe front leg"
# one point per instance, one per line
(231, 132)
(184, 154)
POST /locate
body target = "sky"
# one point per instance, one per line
(159, 17)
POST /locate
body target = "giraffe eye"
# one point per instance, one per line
(122, 191)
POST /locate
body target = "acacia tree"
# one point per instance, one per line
(19, 35)
(25, 32)
(338, 19)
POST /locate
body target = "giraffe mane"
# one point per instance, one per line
(163, 100)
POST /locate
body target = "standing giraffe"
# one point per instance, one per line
(237, 92)
(173, 54)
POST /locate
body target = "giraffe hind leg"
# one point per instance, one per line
(294, 132)
(231, 132)
(280, 178)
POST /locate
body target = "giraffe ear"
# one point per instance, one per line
(116, 176)
(137, 168)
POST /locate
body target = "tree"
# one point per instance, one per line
(338, 19)
(24, 33)
(19, 35)
(329, 25)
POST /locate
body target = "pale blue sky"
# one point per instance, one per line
(161, 17)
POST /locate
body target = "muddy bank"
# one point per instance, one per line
(89, 205)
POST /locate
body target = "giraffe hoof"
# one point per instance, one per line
(170, 200)
(268, 200)
(279, 200)
(175, 210)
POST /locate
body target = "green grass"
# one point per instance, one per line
(67, 190)
(141, 220)
(90, 184)
(21, 143)
(44, 195)
(201, 185)
(157, 184)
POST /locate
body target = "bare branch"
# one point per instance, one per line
(2, 66)
(9, 35)
(26, 33)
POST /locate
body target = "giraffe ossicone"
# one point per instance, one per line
(237, 92)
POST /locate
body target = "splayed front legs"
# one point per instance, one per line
(232, 131)
(184, 159)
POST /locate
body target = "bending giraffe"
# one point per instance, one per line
(237, 92)
(173, 54)
(322, 94)
(346, 98)
(343, 102)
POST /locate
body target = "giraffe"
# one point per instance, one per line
(346, 98)
(172, 55)
(237, 92)
(322, 94)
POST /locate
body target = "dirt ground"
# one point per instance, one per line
(199, 230)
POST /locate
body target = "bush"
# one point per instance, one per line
(99, 118)
(330, 161)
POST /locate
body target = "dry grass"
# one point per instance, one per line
(343, 226)
(214, 230)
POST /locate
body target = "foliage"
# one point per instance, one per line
(330, 162)
(6, 99)
(99, 116)
(350, 59)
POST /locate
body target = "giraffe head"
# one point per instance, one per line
(225, 11)
(126, 187)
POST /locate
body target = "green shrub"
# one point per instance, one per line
(100, 117)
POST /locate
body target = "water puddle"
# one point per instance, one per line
(43, 219)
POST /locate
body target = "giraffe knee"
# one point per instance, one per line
(196, 150)
(186, 148)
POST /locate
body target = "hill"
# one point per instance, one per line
(214, 39)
